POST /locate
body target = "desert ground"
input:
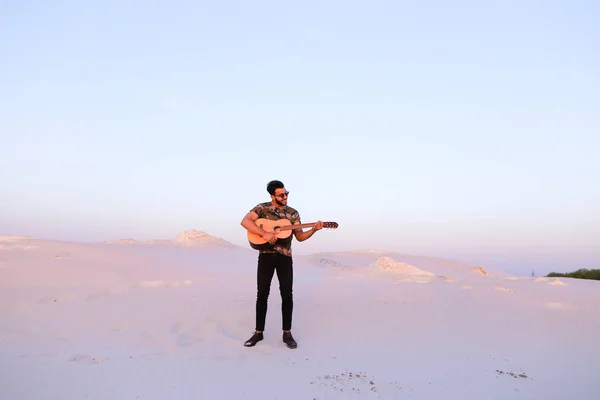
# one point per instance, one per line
(167, 319)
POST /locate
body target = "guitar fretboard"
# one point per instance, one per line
(288, 227)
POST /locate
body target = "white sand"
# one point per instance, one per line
(167, 320)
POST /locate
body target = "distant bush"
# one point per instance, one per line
(579, 274)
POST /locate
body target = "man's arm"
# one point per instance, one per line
(248, 222)
(301, 236)
(250, 225)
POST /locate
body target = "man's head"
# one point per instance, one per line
(278, 193)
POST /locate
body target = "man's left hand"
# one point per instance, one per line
(318, 226)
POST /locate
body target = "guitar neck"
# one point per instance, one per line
(291, 227)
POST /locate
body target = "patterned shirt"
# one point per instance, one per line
(268, 211)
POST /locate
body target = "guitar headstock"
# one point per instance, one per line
(330, 225)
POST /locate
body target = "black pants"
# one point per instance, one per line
(268, 264)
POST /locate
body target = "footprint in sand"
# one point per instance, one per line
(228, 323)
(171, 284)
(354, 383)
(505, 289)
(103, 294)
(190, 332)
(448, 279)
(86, 359)
(159, 284)
(61, 256)
(58, 298)
(222, 331)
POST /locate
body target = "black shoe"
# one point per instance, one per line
(257, 337)
(289, 340)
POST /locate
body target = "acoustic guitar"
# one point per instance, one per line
(283, 230)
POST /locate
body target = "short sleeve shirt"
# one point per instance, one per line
(268, 211)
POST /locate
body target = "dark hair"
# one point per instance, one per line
(271, 186)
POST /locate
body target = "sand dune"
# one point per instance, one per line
(401, 271)
(168, 318)
(189, 238)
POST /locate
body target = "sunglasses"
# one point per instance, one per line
(282, 195)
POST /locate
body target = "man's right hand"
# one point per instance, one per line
(270, 237)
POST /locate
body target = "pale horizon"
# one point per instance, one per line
(526, 266)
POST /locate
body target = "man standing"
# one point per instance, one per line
(276, 258)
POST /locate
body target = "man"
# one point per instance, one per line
(275, 258)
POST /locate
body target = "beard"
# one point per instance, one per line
(279, 202)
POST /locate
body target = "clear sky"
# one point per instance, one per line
(457, 129)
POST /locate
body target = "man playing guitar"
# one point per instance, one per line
(275, 256)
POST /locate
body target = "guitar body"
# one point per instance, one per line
(283, 235)
(282, 228)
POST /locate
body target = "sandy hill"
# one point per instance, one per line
(403, 266)
(187, 238)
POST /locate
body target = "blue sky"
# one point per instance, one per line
(457, 129)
